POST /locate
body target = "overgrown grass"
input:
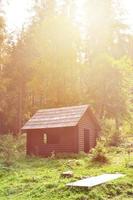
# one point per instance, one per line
(40, 178)
(11, 148)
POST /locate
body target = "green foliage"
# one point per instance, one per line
(113, 136)
(108, 86)
(52, 65)
(115, 139)
(11, 148)
(39, 178)
(99, 153)
(72, 155)
(127, 127)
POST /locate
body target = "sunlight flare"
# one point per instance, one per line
(17, 13)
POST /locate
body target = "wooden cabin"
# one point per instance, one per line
(61, 130)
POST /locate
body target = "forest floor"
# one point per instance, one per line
(40, 178)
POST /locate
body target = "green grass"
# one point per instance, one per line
(39, 179)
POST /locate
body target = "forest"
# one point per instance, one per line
(57, 59)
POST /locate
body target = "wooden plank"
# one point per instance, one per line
(95, 180)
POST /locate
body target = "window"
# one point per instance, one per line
(45, 139)
(51, 138)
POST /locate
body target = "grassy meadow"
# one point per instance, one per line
(29, 178)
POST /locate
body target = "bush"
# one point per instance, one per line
(115, 139)
(11, 148)
(99, 153)
(112, 136)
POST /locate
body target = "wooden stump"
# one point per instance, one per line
(67, 174)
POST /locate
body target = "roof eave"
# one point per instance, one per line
(39, 128)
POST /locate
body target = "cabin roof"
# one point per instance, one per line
(58, 117)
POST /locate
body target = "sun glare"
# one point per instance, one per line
(128, 6)
(17, 13)
(79, 11)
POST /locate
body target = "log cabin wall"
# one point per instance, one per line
(59, 140)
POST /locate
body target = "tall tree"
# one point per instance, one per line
(3, 80)
(53, 64)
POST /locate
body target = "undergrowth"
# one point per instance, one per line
(32, 178)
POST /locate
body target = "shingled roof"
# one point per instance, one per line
(56, 117)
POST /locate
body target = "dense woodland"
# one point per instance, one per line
(59, 61)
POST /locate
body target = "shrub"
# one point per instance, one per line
(99, 153)
(115, 139)
(112, 136)
(11, 148)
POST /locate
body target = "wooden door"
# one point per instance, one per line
(86, 140)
